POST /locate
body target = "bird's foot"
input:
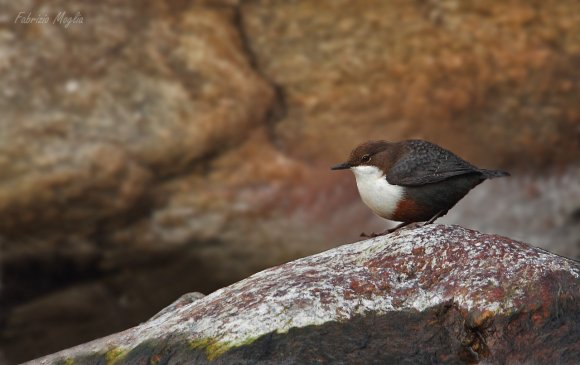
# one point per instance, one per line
(372, 235)
(386, 231)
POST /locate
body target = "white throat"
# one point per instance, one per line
(376, 192)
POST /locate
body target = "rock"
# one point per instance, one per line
(117, 110)
(433, 294)
(474, 78)
(184, 300)
(192, 140)
(534, 209)
(94, 118)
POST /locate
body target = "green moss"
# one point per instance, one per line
(114, 355)
(248, 341)
(68, 361)
(214, 348)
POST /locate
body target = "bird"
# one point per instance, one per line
(411, 181)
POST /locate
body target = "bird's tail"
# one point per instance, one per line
(491, 174)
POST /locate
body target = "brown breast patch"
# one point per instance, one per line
(408, 211)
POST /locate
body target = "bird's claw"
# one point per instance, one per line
(373, 235)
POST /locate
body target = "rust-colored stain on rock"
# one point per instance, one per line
(494, 299)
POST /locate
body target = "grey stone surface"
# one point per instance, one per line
(191, 140)
(441, 293)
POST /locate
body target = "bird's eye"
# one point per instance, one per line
(365, 158)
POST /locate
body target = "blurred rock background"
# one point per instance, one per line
(160, 148)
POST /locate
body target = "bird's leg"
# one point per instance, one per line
(398, 226)
(434, 218)
(391, 230)
(386, 231)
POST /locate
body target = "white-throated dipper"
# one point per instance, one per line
(411, 181)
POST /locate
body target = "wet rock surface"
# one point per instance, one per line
(432, 294)
(163, 148)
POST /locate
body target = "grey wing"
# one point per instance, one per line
(427, 163)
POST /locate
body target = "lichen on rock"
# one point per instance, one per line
(440, 292)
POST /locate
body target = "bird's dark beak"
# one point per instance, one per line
(341, 166)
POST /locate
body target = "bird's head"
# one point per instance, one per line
(371, 153)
